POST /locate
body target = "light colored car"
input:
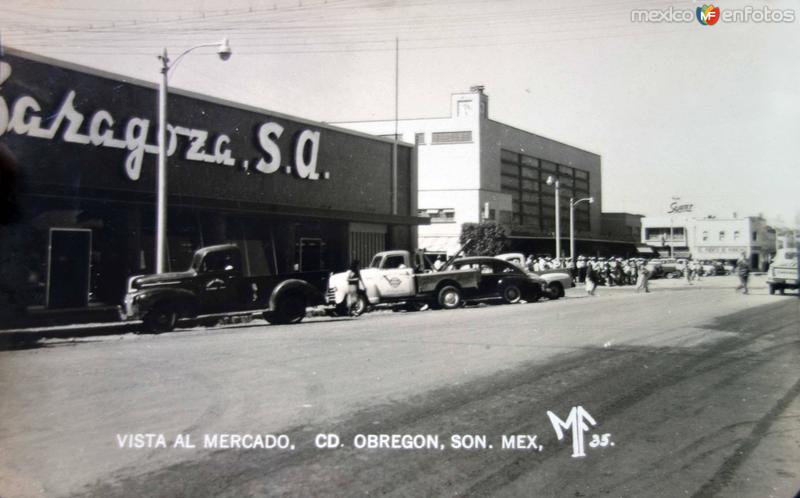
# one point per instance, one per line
(557, 280)
(782, 273)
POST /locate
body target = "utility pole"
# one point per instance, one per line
(396, 119)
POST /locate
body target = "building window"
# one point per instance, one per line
(507, 155)
(451, 137)
(445, 215)
(419, 139)
(705, 235)
(755, 236)
(533, 202)
(722, 235)
(736, 235)
(663, 234)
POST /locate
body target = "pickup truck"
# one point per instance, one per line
(394, 277)
(215, 286)
(782, 273)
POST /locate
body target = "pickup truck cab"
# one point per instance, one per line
(782, 273)
(214, 286)
(396, 276)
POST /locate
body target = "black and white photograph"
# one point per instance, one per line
(420, 248)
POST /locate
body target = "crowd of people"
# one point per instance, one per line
(616, 271)
(613, 271)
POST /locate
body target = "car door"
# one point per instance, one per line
(218, 278)
(489, 278)
(508, 273)
(395, 279)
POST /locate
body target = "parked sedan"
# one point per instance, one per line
(556, 280)
(501, 280)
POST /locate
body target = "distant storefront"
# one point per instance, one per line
(709, 238)
(293, 194)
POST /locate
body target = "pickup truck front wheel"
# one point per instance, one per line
(449, 297)
(159, 320)
(359, 307)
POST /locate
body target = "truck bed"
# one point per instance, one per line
(466, 279)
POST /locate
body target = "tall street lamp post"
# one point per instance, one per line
(224, 52)
(572, 204)
(553, 181)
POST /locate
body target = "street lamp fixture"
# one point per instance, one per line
(224, 52)
(554, 182)
(572, 204)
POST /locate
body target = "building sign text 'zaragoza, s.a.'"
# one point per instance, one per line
(24, 116)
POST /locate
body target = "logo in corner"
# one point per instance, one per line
(708, 15)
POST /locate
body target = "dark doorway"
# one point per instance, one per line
(310, 254)
(69, 266)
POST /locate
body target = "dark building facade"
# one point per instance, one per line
(293, 194)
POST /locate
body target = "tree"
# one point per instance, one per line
(488, 238)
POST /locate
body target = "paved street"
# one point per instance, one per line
(697, 387)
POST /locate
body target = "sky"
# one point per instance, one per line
(710, 114)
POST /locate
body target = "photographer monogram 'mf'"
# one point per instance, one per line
(26, 116)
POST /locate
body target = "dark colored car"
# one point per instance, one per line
(501, 280)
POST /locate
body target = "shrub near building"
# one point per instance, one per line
(488, 238)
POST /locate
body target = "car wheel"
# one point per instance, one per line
(360, 306)
(289, 309)
(555, 290)
(449, 297)
(159, 320)
(511, 294)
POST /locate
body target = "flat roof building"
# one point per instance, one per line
(472, 168)
(295, 195)
(710, 238)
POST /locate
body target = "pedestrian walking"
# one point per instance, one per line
(697, 269)
(591, 279)
(644, 278)
(354, 284)
(687, 269)
(581, 269)
(743, 271)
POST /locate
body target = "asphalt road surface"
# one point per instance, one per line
(693, 391)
